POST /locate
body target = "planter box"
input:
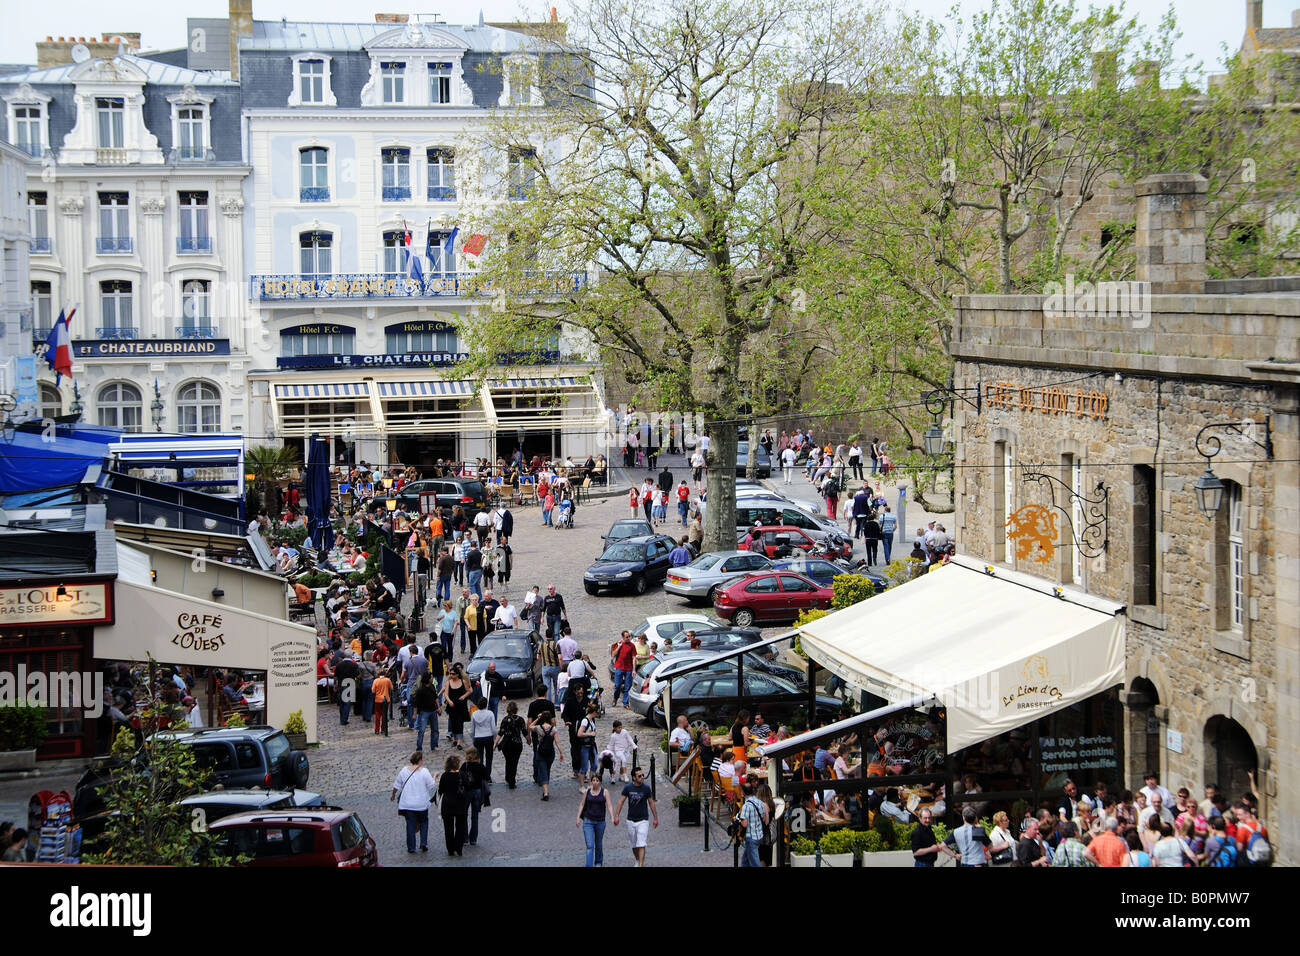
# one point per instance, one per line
(899, 858)
(297, 741)
(828, 859)
(18, 759)
(688, 815)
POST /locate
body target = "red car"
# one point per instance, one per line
(295, 838)
(798, 540)
(771, 596)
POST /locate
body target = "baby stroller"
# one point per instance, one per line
(596, 692)
(565, 518)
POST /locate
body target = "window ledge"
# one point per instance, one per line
(1231, 642)
(1148, 615)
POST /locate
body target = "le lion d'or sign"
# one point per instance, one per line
(78, 604)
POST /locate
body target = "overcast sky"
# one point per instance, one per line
(1206, 24)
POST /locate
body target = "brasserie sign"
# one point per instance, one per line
(43, 604)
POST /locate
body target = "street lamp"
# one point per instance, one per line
(934, 440)
(156, 406)
(1208, 488)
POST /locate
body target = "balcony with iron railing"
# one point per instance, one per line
(117, 332)
(314, 194)
(40, 245)
(381, 285)
(196, 331)
(396, 193)
(114, 245)
(193, 245)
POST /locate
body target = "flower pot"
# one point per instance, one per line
(688, 814)
(297, 741)
(18, 759)
(799, 861)
(898, 858)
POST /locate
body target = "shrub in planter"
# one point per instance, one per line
(838, 841)
(885, 827)
(802, 846)
(869, 841)
(295, 728)
(903, 836)
(236, 720)
(22, 727)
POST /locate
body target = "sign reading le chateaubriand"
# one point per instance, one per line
(78, 604)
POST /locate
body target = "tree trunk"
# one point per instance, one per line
(720, 514)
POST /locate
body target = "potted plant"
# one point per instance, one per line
(688, 809)
(803, 852)
(838, 847)
(22, 730)
(295, 728)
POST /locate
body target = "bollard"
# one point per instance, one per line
(654, 786)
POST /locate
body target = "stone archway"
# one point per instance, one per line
(1144, 728)
(1229, 755)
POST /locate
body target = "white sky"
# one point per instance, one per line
(1206, 24)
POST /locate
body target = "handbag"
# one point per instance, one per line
(400, 812)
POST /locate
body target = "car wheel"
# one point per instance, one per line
(639, 584)
(300, 769)
(698, 724)
(712, 593)
(589, 588)
(743, 617)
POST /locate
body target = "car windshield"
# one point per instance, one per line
(509, 647)
(705, 561)
(624, 552)
(627, 529)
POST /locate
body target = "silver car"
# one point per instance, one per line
(699, 579)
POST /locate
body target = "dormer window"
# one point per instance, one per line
(189, 124)
(28, 118)
(520, 82)
(439, 84)
(311, 81)
(110, 115)
(393, 76)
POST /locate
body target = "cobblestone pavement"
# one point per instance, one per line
(355, 769)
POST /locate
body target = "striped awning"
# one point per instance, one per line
(329, 390)
(568, 382)
(425, 389)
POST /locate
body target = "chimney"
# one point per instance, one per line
(1254, 14)
(1170, 237)
(392, 17)
(240, 25)
(555, 17)
(1104, 65)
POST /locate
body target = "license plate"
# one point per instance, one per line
(675, 579)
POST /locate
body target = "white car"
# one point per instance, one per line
(662, 627)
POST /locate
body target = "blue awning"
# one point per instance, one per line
(324, 390)
(427, 389)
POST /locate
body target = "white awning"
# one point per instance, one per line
(432, 388)
(998, 648)
(324, 390)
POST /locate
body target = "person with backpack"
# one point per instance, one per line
(425, 707)
(510, 741)
(548, 748)
(1220, 849)
(586, 737)
(593, 812)
(831, 491)
(454, 805)
(1253, 848)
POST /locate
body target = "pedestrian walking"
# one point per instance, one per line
(553, 608)
(593, 812)
(483, 730)
(425, 707)
(454, 805)
(455, 697)
(640, 808)
(445, 624)
(475, 781)
(623, 652)
(474, 566)
(888, 525)
(510, 741)
(549, 655)
(871, 528)
(586, 737)
(446, 571)
(753, 825)
(548, 748)
(473, 622)
(382, 689)
(413, 790)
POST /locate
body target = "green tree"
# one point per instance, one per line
(269, 465)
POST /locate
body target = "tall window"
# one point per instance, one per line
(393, 242)
(342, 342)
(114, 223)
(193, 235)
(27, 130)
(439, 83)
(442, 174)
(198, 408)
(42, 309)
(38, 221)
(1071, 558)
(393, 76)
(120, 407)
(315, 254)
(313, 163)
(1230, 561)
(442, 260)
(311, 81)
(110, 112)
(189, 130)
(1144, 535)
(401, 342)
(196, 310)
(521, 83)
(115, 310)
(1004, 489)
(522, 172)
(396, 167)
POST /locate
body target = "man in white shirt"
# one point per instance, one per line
(193, 716)
(788, 460)
(1155, 808)
(621, 745)
(577, 671)
(1153, 787)
(506, 615)
(680, 738)
(413, 790)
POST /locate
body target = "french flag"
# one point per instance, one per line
(412, 262)
(58, 347)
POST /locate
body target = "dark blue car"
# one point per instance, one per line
(823, 571)
(631, 564)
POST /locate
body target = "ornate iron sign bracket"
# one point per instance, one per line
(1207, 446)
(1093, 539)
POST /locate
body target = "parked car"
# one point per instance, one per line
(762, 461)
(326, 837)
(778, 541)
(469, 493)
(632, 564)
(663, 627)
(710, 698)
(648, 684)
(218, 804)
(701, 577)
(627, 528)
(514, 651)
(772, 597)
(773, 510)
(823, 572)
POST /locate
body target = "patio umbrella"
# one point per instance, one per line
(318, 496)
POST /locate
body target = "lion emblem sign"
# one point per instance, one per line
(1033, 529)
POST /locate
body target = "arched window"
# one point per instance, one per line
(51, 402)
(198, 408)
(1230, 755)
(120, 407)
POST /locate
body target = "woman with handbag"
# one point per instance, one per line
(1002, 846)
(476, 785)
(593, 811)
(548, 748)
(587, 762)
(455, 805)
(413, 790)
(455, 695)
